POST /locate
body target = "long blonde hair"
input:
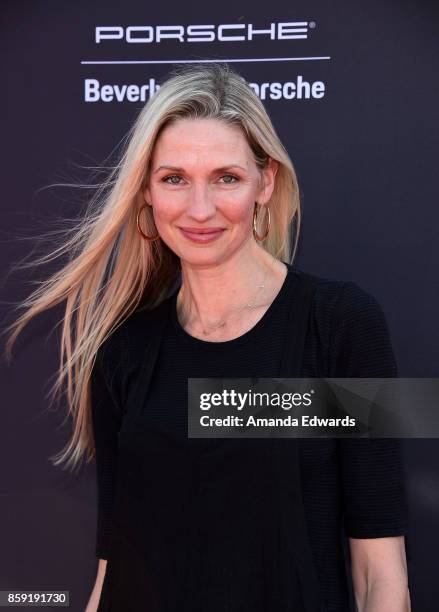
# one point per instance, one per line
(111, 270)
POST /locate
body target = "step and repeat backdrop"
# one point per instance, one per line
(352, 90)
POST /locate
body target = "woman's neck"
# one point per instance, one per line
(226, 296)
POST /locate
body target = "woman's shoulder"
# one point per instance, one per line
(349, 323)
(334, 296)
(130, 336)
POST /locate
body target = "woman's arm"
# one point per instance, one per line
(372, 471)
(93, 602)
(379, 574)
(106, 421)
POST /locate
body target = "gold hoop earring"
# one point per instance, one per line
(255, 216)
(149, 238)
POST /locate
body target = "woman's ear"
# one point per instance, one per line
(268, 177)
(147, 196)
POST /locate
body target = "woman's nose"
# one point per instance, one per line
(200, 205)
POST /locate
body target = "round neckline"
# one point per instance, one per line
(243, 338)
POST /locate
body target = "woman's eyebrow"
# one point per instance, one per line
(177, 169)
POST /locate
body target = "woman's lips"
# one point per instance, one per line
(202, 236)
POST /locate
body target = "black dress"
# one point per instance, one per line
(245, 524)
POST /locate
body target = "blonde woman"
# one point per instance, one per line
(182, 268)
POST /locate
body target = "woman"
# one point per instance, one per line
(182, 269)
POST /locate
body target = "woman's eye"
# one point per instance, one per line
(230, 176)
(172, 176)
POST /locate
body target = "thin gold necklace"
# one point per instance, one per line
(222, 323)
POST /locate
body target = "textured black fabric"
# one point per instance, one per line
(351, 487)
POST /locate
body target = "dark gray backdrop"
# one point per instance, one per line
(365, 153)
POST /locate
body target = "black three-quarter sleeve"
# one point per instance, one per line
(106, 424)
(372, 474)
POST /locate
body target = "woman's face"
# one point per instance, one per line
(203, 177)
